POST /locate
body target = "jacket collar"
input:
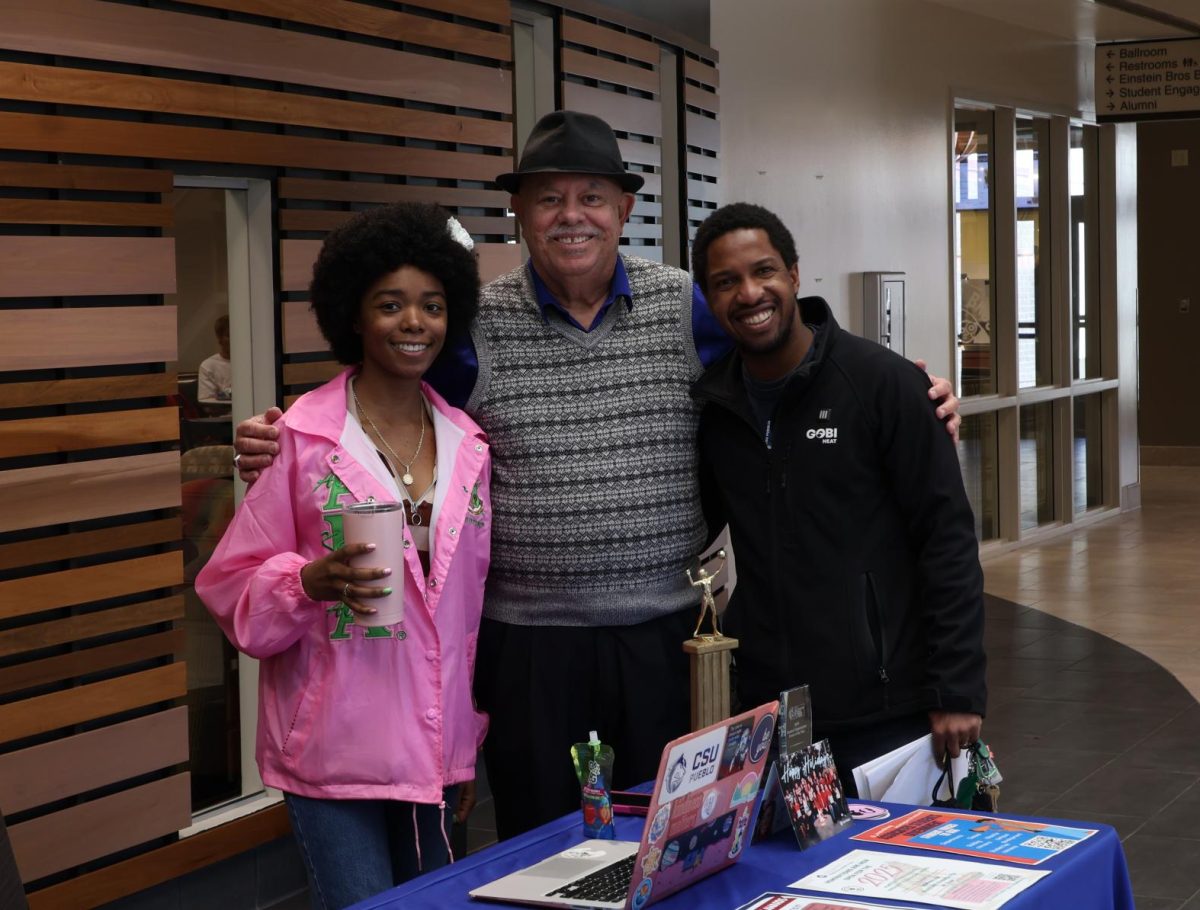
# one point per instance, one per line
(317, 414)
(722, 382)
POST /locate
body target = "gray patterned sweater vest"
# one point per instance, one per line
(595, 500)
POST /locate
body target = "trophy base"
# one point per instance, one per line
(710, 678)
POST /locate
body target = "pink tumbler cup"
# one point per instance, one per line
(380, 523)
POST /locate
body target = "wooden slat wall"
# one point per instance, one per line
(611, 71)
(101, 104)
(702, 136)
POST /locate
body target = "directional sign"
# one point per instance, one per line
(1147, 80)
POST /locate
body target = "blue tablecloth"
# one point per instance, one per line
(1090, 875)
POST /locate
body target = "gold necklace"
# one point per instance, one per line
(407, 477)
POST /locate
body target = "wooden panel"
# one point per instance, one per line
(71, 391)
(317, 220)
(622, 112)
(80, 663)
(131, 34)
(701, 98)
(88, 543)
(306, 373)
(36, 132)
(368, 20)
(591, 35)
(81, 177)
(103, 826)
(76, 764)
(73, 432)
(498, 11)
(702, 132)
(296, 258)
(652, 186)
(66, 266)
(702, 191)
(58, 85)
(83, 336)
(44, 713)
(651, 231)
(92, 889)
(635, 152)
(591, 66)
(61, 493)
(703, 164)
(90, 625)
(345, 191)
(495, 259)
(58, 211)
(52, 590)
(300, 332)
(700, 71)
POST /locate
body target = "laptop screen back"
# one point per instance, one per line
(703, 803)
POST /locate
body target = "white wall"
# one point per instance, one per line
(836, 115)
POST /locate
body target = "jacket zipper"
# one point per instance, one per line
(882, 670)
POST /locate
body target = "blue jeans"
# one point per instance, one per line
(356, 848)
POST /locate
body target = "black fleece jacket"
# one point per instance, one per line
(857, 563)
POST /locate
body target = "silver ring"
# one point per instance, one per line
(237, 458)
(346, 592)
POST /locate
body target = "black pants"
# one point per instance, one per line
(545, 687)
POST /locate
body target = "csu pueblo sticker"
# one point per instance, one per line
(693, 765)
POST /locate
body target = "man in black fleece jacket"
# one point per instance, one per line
(858, 567)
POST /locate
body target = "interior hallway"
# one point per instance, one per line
(1134, 578)
(1086, 718)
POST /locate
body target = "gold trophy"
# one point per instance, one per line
(710, 654)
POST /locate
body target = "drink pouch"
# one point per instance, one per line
(593, 766)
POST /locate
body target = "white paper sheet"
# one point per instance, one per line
(906, 775)
(930, 880)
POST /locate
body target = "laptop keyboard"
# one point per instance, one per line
(609, 884)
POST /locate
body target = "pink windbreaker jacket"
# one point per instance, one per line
(345, 711)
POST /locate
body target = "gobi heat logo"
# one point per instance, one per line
(827, 435)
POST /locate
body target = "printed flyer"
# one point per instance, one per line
(928, 880)
(778, 900)
(983, 836)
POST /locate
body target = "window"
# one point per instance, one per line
(222, 231)
(1085, 260)
(973, 251)
(1026, 290)
(1033, 297)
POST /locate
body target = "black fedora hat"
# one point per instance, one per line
(569, 142)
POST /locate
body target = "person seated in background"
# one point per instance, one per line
(370, 732)
(215, 381)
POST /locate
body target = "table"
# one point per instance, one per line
(1090, 875)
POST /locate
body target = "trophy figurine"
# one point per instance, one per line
(710, 653)
(707, 603)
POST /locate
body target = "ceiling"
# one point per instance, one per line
(1090, 21)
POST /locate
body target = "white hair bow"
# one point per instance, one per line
(459, 233)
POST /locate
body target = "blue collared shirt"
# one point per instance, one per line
(455, 372)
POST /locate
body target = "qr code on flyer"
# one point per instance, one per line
(1042, 842)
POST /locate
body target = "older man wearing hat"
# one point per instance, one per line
(578, 368)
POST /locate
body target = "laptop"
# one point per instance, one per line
(698, 823)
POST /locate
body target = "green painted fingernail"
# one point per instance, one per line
(387, 591)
